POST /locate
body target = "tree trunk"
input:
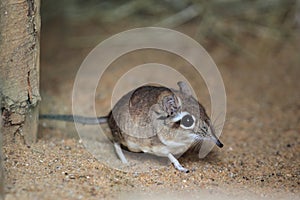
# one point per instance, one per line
(19, 69)
(1, 168)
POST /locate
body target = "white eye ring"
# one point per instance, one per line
(189, 121)
(179, 116)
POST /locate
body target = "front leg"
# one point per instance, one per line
(176, 163)
(120, 153)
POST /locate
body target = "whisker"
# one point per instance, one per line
(197, 144)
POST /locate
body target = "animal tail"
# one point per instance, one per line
(76, 119)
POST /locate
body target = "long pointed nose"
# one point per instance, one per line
(214, 137)
(219, 143)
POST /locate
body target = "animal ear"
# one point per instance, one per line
(184, 88)
(171, 105)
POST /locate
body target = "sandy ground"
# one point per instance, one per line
(260, 159)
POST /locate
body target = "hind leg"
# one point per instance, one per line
(120, 153)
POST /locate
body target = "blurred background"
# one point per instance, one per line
(225, 22)
(236, 33)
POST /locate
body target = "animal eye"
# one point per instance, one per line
(187, 121)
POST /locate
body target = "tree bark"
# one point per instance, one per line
(19, 69)
(1, 169)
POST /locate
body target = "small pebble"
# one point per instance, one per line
(72, 176)
(68, 148)
(231, 175)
